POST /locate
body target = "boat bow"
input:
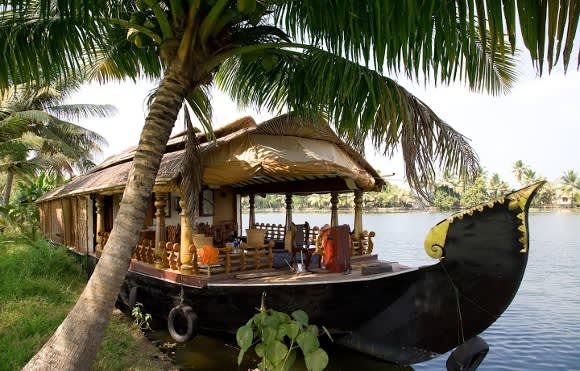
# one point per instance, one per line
(482, 255)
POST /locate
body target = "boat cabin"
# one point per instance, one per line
(286, 155)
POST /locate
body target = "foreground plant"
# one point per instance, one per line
(278, 336)
(142, 319)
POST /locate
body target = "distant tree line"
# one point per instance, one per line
(446, 194)
(452, 192)
(390, 196)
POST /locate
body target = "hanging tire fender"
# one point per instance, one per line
(468, 356)
(182, 323)
(133, 297)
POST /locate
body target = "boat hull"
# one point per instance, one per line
(406, 316)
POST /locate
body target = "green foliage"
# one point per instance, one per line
(277, 336)
(142, 320)
(21, 215)
(475, 193)
(39, 284)
(445, 198)
(389, 196)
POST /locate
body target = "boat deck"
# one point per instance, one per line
(363, 268)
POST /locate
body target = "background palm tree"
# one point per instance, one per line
(496, 186)
(570, 184)
(42, 137)
(279, 55)
(518, 170)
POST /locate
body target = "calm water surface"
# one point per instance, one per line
(540, 330)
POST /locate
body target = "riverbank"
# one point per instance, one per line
(39, 284)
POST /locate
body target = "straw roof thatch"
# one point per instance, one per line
(232, 142)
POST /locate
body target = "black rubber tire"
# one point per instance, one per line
(180, 313)
(133, 297)
(468, 356)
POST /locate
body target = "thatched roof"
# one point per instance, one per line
(249, 158)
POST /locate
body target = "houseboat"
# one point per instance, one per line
(212, 275)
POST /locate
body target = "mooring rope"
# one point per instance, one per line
(181, 295)
(456, 292)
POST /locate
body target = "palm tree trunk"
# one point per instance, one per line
(7, 188)
(75, 343)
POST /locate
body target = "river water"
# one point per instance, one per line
(540, 330)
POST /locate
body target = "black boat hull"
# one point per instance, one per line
(405, 317)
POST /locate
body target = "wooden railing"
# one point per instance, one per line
(243, 259)
(361, 244)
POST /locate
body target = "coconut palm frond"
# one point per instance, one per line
(429, 144)
(123, 61)
(33, 117)
(54, 164)
(12, 127)
(360, 103)
(199, 102)
(191, 171)
(259, 80)
(431, 34)
(78, 112)
(62, 54)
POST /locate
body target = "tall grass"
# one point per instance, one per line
(39, 284)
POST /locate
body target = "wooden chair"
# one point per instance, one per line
(258, 252)
(301, 243)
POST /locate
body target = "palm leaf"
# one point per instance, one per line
(199, 102)
(360, 104)
(78, 112)
(420, 35)
(191, 172)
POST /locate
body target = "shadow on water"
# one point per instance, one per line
(209, 353)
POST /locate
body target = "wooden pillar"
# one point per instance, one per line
(358, 224)
(252, 216)
(185, 255)
(99, 204)
(160, 203)
(334, 209)
(288, 233)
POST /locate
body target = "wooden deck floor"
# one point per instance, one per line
(272, 276)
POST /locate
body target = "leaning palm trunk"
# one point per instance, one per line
(7, 188)
(75, 343)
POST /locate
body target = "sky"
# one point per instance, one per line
(538, 122)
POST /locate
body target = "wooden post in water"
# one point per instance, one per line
(160, 203)
(185, 255)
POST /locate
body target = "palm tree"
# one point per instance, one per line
(529, 176)
(46, 140)
(279, 55)
(497, 186)
(519, 169)
(570, 184)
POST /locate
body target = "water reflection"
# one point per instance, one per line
(539, 331)
(210, 353)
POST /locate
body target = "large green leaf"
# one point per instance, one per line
(308, 342)
(244, 337)
(276, 351)
(317, 360)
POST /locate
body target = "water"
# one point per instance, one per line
(540, 330)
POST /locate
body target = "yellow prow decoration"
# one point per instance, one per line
(435, 240)
(517, 201)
